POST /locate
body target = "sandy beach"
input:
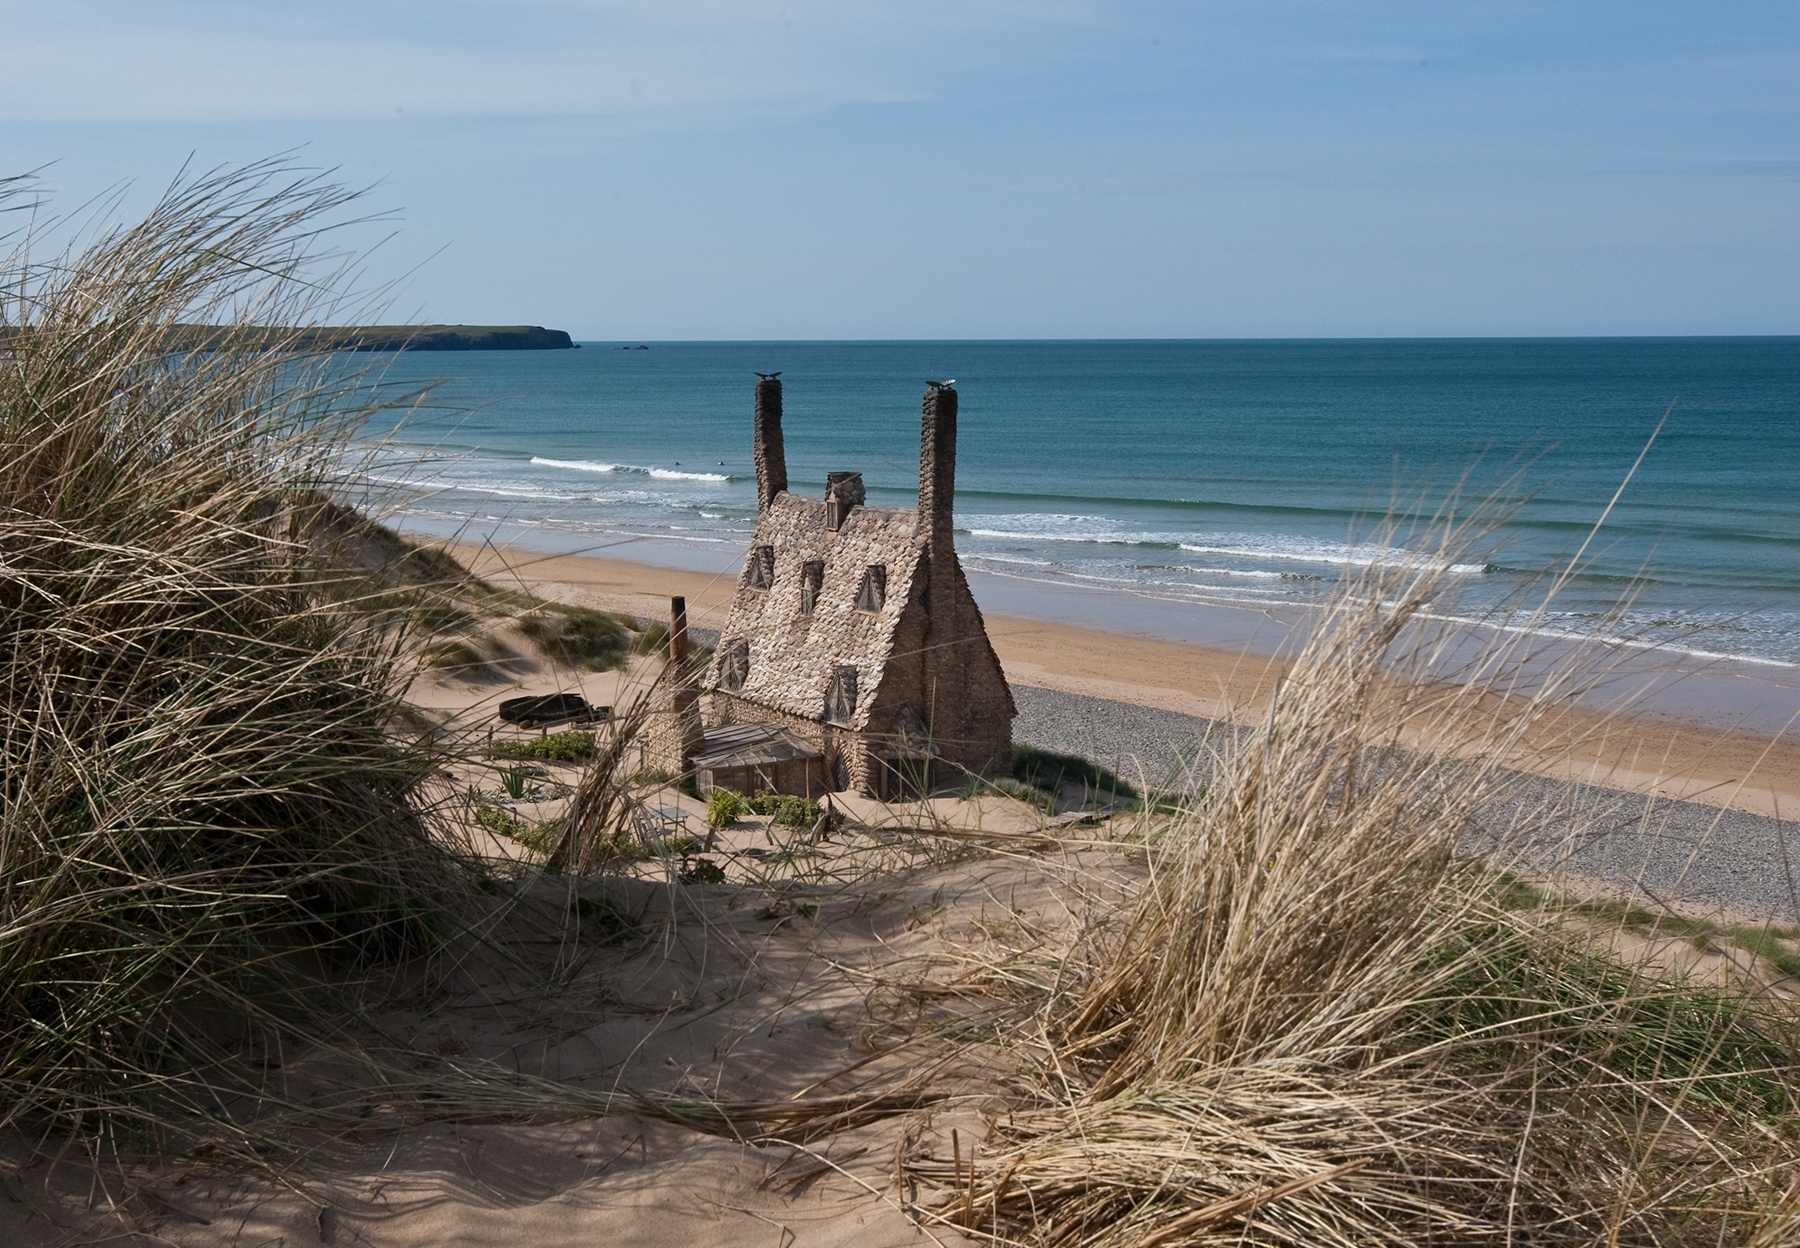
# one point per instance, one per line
(1692, 750)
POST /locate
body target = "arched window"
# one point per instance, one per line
(734, 668)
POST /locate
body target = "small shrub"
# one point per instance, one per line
(540, 838)
(471, 655)
(517, 781)
(556, 747)
(1007, 786)
(722, 806)
(432, 563)
(577, 636)
(786, 809)
(452, 656)
(700, 871)
(1047, 770)
(1765, 943)
(612, 923)
(654, 639)
(435, 614)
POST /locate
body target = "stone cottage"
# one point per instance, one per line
(855, 656)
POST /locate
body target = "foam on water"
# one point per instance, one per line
(660, 474)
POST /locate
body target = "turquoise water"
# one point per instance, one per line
(1231, 472)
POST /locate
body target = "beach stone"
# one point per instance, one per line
(1661, 851)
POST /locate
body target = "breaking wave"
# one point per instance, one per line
(660, 474)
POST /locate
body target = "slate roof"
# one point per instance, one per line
(793, 656)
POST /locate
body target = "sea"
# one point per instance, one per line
(1657, 478)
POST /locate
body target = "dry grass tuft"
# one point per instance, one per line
(203, 799)
(598, 826)
(1318, 1025)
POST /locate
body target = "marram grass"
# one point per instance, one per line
(1319, 1024)
(201, 792)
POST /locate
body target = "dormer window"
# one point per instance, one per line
(873, 594)
(812, 580)
(843, 491)
(734, 668)
(840, 696)
(759, 572)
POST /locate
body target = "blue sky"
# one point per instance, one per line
(983, 168)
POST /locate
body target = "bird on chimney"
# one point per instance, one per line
(767, 376)
(941, 385)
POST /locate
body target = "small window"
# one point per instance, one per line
(812, 580)
(734, 668)
(759, 573)
(840, 696)
(873, 594)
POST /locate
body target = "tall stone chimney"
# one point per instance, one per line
(771, 458)
(944, 651)
(937, 467)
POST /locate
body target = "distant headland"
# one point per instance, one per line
(370, 337)
(438, 338)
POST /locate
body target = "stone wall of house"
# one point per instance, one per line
(943, 667)
(673, 733)
(960, 689)
(978, 717)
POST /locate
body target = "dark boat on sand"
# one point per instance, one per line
(551, 708)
